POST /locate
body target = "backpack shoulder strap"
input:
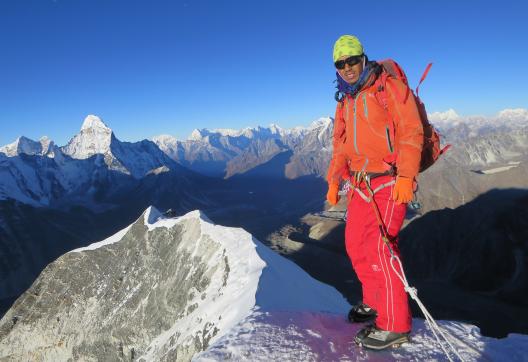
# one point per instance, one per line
(392, 70)
(382, 98)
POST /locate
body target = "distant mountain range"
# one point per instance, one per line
(91, 170)
(225, 152)
(95, 165)
(487, 153)
(456, 127)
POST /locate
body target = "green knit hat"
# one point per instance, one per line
(347, 45)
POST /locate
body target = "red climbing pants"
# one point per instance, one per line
(371, 258)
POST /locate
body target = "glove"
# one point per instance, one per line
(332, 195)
(403, 190)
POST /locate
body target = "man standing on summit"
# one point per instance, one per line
(378, 139)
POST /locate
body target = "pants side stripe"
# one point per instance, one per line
(383, 268)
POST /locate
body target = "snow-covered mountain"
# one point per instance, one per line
(176, 289)
(479, 140)
(457, 128)
(94, 138)
(40, 173)
(487, 153)
(29, 147)
(227, 152)
(135, 159)
(93, 166)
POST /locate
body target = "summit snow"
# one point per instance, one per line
(24, 145)
(94, 138)
(474, 125)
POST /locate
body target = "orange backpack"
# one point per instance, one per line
(431, 150)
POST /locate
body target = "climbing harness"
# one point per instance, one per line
(352, 187)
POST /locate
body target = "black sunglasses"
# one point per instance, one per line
(351, 61)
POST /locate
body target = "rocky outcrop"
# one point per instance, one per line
(119, 301)
(162, 289)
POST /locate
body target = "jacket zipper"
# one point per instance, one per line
(365, 107)
(346, 108)
(389, 144)
(355, 122)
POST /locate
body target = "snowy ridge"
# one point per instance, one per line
(226, 152)
(218, 293)
(519, 115)
(259, 280)
(509, 118)
(291, 320)
(292, 317)
(164, 139)
(248, 132)
(484, 142)
(283, 314)
(24, 145)
(272, 130)
(200, 279)
(448, 116)
(240, 290)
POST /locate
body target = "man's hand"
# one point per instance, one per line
(403, 190)
(332, 194)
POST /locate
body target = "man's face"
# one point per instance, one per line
(350, 73)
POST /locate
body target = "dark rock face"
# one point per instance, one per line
(32, 237)
(139, 296)
(257, 154)
(469, 263)
(481, 246)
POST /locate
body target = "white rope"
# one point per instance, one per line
(413, 292)
(346, 187)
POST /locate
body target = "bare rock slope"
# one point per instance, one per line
(162, 289)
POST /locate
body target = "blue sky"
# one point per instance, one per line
(167, 67)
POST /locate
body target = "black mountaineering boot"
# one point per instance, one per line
(378, 339)
(363, 332)
(361, 313)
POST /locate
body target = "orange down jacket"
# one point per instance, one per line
(362, 133)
